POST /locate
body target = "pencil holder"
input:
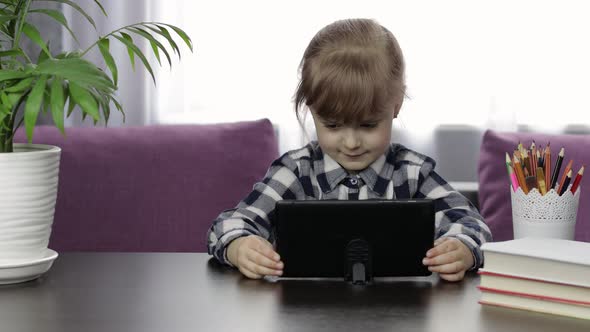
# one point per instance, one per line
(546, 216)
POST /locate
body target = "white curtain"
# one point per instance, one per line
(490, 64)
(135, 87)
(487, 64)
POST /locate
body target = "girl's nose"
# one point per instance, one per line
(351, 139)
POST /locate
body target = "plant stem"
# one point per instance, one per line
(21, 23)
(7, 135)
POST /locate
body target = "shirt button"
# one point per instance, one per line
(353, 181)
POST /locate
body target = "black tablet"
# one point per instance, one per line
(354, 239)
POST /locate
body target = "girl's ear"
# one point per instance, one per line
(397, 108)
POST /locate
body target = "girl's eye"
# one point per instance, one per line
(369, 125)
(331, 125)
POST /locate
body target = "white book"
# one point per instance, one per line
(535, 304)
(551, 291)
(552, 260)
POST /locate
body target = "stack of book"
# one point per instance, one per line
(543, 275)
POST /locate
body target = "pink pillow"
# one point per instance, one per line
(494, 194)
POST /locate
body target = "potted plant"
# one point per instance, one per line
(54, 83)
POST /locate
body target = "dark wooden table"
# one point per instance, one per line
(108, 292)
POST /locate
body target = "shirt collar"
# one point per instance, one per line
(330, 174)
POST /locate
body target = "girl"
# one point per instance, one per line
(352, 81)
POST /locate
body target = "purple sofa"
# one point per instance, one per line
(152, 188)
(494, 194)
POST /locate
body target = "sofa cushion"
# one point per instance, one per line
(152, 188)
(494, 192)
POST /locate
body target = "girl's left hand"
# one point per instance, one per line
(450, 258)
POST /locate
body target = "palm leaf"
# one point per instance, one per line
(16, 52)
(153, 42)
(33, 106)
(77, 70)
(12, 74)
(35, 36)
(6, 18)
(101, 7)
(57, 103)
(136, 50)
(82, 97)
(129, 50)
(103, 46)
(118, 106)
(57, 16)
(22, 85)
(77, 8)
(4, 112)
(164, 33)
(187, 40)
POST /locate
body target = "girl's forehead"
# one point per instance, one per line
(373, 116)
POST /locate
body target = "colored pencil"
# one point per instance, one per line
(511, 173)
(568, 178)
(541, 181)
(520, 175)
(568, 167)
(547, 164)
(557, 168)
(578, 179)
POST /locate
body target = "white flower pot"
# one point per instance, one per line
(28, 191)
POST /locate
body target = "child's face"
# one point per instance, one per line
(355, 145)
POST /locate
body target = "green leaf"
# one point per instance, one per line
(71, 103)
(137, 51)
(57, 104)
(12, 74)
(156, 52)
(164, 33)
(118, 106)
(167, 35)
(187, 40)
(42, 56)
(16, 52)
(14, 98)
(101, 7)
(103, 46)
(153, 42)
(83, 98)
(76, 7)
(6, 18)
(35, 36)
(77, 70)
(4, 101)
(4, 112)
(20, 85)
(129, 50)
(57, 16)
(33, 106)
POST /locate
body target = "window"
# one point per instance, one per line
(495, 63)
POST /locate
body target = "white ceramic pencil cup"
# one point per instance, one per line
(546, 216)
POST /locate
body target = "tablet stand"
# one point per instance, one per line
(358, 262)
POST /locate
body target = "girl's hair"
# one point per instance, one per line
(351, 70)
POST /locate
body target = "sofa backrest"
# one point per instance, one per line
(494, 192)
(152, 188)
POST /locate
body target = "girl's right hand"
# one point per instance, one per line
(254, 257)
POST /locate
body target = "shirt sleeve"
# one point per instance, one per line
(455, 216)
(253, 215)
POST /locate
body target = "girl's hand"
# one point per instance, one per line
(450, 258)
(254, 257)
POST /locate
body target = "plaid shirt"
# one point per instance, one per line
(309, 174)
